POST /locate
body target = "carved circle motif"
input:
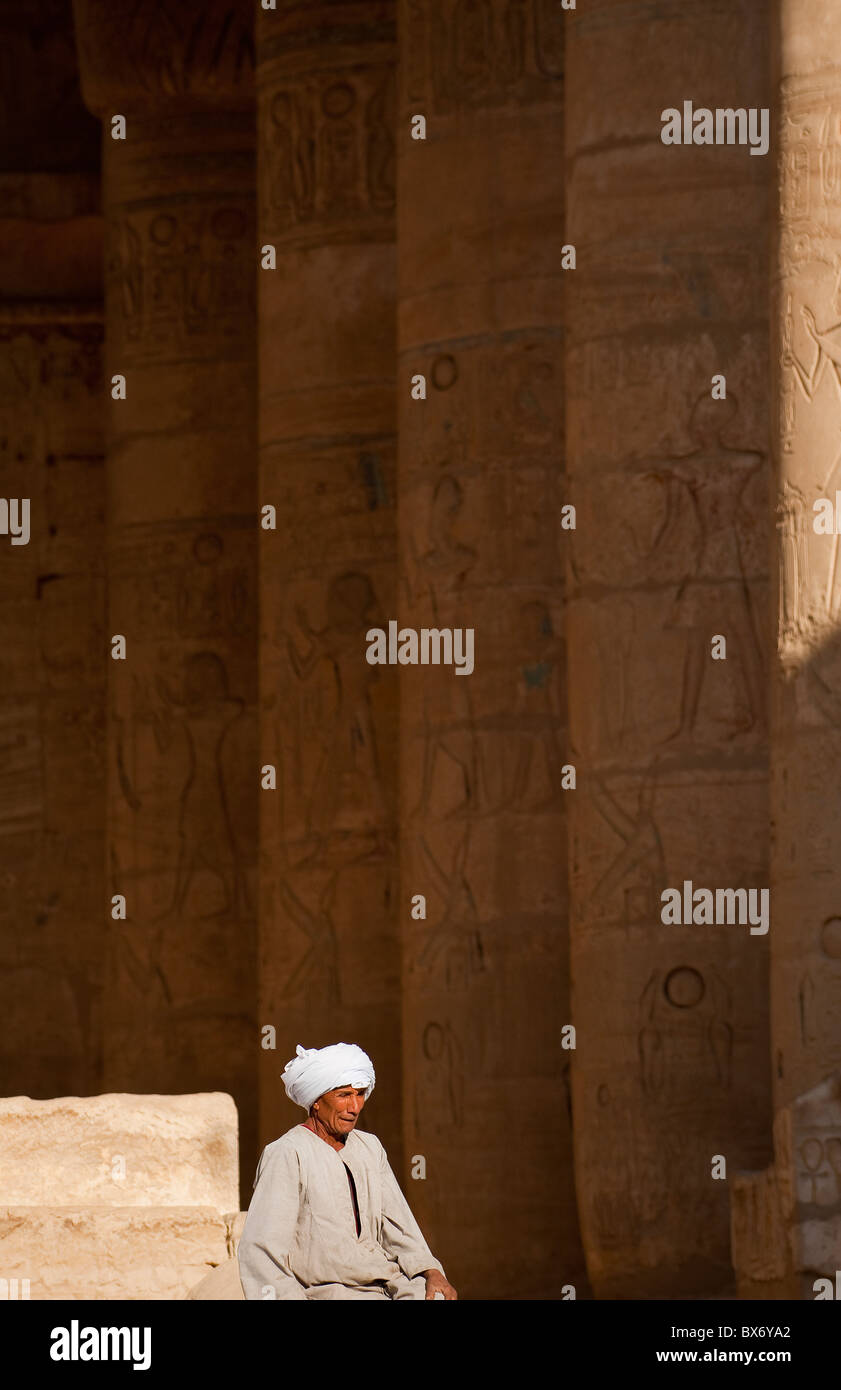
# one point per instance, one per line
(433, 1041)
(684, 987)
(444, 372)
(831, 938)
(162, 229)
(338, 99)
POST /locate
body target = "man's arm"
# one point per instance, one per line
(269, 1232)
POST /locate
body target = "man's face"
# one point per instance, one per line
(339, 1110)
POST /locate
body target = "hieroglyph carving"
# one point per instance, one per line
(329, 150)
(714, 593)
(480, 52)
(347, 790)
(178, 280)
(169, 47)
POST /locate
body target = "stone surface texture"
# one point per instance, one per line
(111, 1253)
(119, 1151)
(329, 944)
(480, 317)
(143, 1052)
(786, 1221)
(52, 590)
(670, 549)
(806, 689)
(180, 312)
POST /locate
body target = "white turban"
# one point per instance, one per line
(314, 1070)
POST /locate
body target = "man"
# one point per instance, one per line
(328, 1219)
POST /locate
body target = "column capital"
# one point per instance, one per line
(176, 55)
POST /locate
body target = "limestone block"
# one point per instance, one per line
(223, 1283)
(110, 1252)
(756, 1233)
(786, 1221)
(807, 1142)
(120, 1151)
(235, 1223)
(220, 1285)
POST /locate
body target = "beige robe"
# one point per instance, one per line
(300, 1241)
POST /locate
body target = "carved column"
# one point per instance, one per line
(52, 618)
(180, 327)
(806, 743)
(670, 488)
(329, 951)
(806, 941)
(486, 985)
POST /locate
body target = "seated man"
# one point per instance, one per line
(328, 1219)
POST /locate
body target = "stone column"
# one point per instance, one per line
(806, 709)
(806, 940)
(329, 950)
(52, 616)
(486, 984)
(181, 263)
(669, 553)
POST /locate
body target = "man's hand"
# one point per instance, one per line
(436, 1283)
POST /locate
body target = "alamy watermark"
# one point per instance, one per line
(80, 1343)
(14, 519)
(431, 646)
(723, 126)
(716, 907)
(13, 1290)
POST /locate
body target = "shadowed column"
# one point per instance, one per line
(52, 597)
(669, 554)
(329, 953)
(180, 327)
(486, 986)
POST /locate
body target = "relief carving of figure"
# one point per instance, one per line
(338, 147)
(317, 975)
(713, 596)
(472, 47)
(204, 713)
(540, 661)
(379, 140)
(793, 562)
(685, 1038)
(453, 950)
(291, 168)
(347, 791)
(439, 1093)
(440, 572)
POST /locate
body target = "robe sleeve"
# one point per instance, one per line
(400, 1234)
(268, 1236)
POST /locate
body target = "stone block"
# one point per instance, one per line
(757, 1235)
(223, 1283)
(786, 1221)
(124, 1253)
(120, 1151)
